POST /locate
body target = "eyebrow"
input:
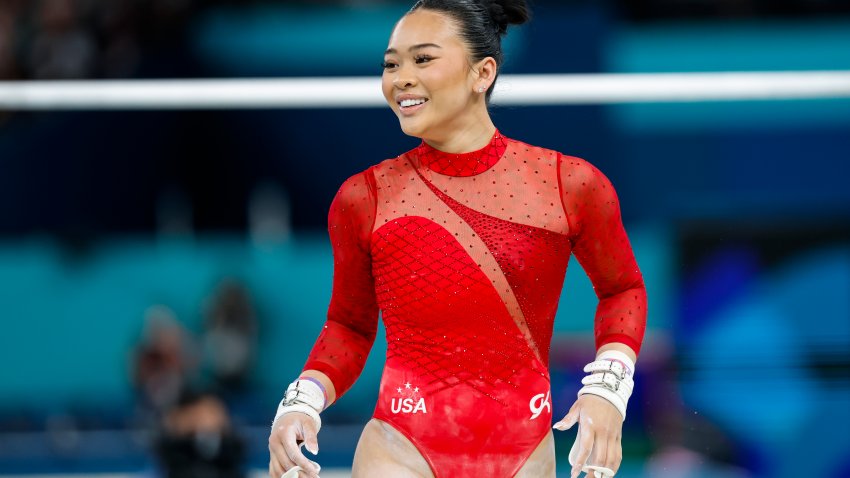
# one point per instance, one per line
(414, 47)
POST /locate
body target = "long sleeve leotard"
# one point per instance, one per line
(465, 257)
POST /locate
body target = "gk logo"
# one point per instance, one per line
(538, 403)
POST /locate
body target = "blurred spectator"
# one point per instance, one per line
(230, 333)
(117, 21)
(76, 39)
(164, 361)
(198, 441)
(8, 65)
(62, 47)
(269, 214)
(174, 213)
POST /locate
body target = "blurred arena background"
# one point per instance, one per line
(146, 252)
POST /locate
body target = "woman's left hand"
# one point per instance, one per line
(600, 428)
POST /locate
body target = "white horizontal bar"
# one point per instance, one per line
(671, 87)
(365, 92)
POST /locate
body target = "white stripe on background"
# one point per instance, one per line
(365, 92)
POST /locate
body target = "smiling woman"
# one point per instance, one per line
(448, 54)
(462, 244)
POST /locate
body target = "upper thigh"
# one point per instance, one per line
(541, 463)
(384, 451)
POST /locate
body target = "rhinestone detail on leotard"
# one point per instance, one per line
(462, 164)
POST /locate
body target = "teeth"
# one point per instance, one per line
(406, 103)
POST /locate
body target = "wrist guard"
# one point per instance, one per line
(305, 395)
(610, 377)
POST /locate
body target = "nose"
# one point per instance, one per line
(403, 83)
(403, 79)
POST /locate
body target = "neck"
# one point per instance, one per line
(462, 163)
(471, 137)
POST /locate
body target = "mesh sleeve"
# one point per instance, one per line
(344, 343)
(600, 244)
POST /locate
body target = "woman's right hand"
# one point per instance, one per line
(289, 433)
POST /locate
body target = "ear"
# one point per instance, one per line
(484, 73)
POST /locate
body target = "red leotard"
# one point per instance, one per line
(465, 256)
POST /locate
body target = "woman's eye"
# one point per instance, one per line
(387, 64)
(421, 59)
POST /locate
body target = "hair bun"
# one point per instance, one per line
(507, 12)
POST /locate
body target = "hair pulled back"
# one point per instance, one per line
(482, 24)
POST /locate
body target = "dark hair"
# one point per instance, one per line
(482, 24)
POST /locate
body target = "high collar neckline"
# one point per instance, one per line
(463, 164)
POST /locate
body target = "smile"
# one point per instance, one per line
(412, 102)
(411, 106)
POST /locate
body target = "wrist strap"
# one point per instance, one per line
(305, 395)
(301, 408)
(615, 357)
(609, 381)
(610, 378)
(307, 392)
(319, 384)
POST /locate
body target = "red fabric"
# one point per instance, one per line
(602, 248)
(465, 255)
(462, 164)
(349, 332)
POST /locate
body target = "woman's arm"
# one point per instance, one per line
(340, 352)
(600, 244)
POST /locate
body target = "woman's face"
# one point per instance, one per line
(426, 66)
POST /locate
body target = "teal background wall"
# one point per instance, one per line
(69, 321)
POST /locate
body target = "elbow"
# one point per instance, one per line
(626, 285)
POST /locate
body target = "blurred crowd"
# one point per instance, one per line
(170, 359)
(184, 382)
(198, 440)
(76, 39)
(73, 39)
